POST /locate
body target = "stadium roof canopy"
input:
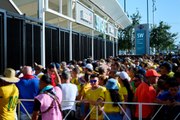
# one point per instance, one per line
(113, 9)
(109, 10)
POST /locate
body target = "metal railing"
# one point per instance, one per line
(104, 113)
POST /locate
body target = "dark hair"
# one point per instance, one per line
(51, 65)
(104, 78)
(89, 60)
(46, 78)
(173, 82)
(73, 62)
(101, 70)
(115, 97)
(94, 75)
(76, 69)
(141, 71)
(167, 65)
(161, 84)
(139, 76)
(129, 90)
(87, 77)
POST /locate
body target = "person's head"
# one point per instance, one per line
(138, 79)
(101, 70)
(27, 70)
(44, 81)
(165, 68)
(141, 71)
(88, 68)
(144, 64)
(102, 80)
(152, 76)
(123, 75)
(173, 87)
(89, 60)
(50, 68)
(38, 68)
(111, 84)
(115, 66)
(66, 75)
(8, 77)
(63, 65)
(112, 74)
(136, 62)
(73, 62)
(112, 87)
(162, 83)
(75, 71)
(94, 81)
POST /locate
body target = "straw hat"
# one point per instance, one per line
(9, 76)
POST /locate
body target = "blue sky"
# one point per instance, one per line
(167, 11)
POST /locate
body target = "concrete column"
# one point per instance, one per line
(69, 9)
(116, 46)
(92, 34)
(104, 37)
(113, 46)
(41, 15)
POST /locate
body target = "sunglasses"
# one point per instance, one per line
(93, 81)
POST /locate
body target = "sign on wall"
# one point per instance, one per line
(100, 24)
(111, 30)
(84, 15)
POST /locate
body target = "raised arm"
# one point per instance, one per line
(58, 79)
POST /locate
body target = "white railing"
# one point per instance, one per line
(96, 107)
(21, 104)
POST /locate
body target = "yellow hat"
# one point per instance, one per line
(9, 76)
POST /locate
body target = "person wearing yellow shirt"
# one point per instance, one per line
(91, 98)
(126, 91)
(74, 73)
(9, 95)
(84, 86)
(112, 94)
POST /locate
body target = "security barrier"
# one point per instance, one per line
(21, 104)
(18, 31)
(96, 107)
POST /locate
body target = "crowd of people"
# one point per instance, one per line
(94, 89)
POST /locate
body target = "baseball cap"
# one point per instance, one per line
(123, 75)
(152, 73)
(89, 66)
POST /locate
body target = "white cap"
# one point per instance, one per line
(123, 75)
(89, 66)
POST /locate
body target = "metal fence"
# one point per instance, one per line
(20, 42)
(104, 113)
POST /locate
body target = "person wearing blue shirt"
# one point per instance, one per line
(171, 99)
(28, 88)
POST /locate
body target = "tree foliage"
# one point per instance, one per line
(126, 39)
(161, 38)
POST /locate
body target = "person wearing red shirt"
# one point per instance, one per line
(145, 93)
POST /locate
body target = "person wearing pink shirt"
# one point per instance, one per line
(47, 104)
